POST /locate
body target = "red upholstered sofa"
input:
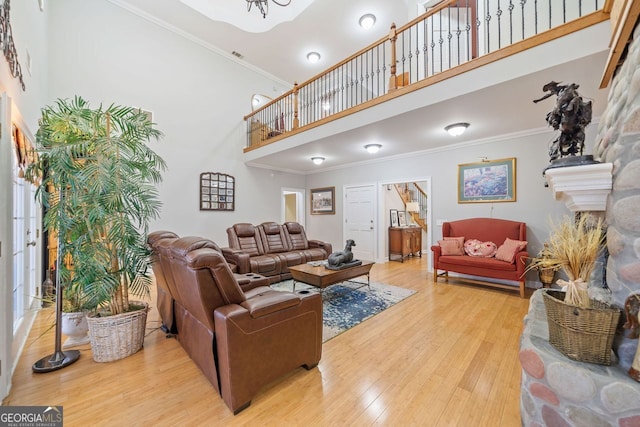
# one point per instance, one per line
(484, 230)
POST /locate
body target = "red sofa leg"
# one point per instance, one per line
(521, 289)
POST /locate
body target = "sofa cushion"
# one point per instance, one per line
(273, 238)
(477, 248)
(297, 237)
(450, 247)
(486, 264)
(508, 250)
(459, 239)
(247, 238)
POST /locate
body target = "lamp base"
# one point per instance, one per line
(55, 361)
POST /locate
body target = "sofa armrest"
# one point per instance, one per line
(270, 302)
(289, 337)
(320, 244)
(437, 251)
(239, 258)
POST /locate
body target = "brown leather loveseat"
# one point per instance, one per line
(241, 340)
(270, 249)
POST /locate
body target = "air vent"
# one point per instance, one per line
(237, 54)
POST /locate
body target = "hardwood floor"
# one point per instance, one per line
(446, 356)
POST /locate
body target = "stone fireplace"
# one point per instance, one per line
(555, 390)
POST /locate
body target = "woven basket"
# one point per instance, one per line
(116, 337)
(582, 334)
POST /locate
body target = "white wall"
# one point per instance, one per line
(535, 204)
(29, 27)
(198, 97)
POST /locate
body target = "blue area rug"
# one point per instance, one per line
(347, 304)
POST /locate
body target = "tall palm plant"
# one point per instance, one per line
(98, 184)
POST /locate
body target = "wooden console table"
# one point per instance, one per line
(404, 242)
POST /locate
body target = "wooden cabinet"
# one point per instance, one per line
(404, 242)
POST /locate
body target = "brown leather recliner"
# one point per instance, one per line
(240, 340)
(313, 250)
(252, 258)
(164, 299)
(159, 243)
(270, 249)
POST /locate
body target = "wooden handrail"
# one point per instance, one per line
(355, 83)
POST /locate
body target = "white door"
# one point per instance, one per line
(360, 221)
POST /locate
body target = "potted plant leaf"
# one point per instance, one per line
(98, 188)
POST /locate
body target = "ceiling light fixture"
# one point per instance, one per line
(456, 129)
(372, 148)
(367, 21)
(317, 160)
(263, 5)
(313, 57)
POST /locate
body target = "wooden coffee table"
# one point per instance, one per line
(321, 277)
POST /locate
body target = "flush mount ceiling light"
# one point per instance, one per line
(372, 148)
(313, 57)
(263, 5)
(456, 129)
(317, 160)
(367, 21)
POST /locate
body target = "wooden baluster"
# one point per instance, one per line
(296, 121)
(393, 36)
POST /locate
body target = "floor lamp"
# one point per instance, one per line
(59, 359)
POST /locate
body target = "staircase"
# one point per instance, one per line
(410, 192)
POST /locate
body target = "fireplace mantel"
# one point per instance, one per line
(581, 188)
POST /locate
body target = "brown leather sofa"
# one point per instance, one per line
(159, 242)
(241, 340)
(270, 249)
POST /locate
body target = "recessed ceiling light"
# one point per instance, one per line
(456, 129)
(367, 21)
(317, 160)
(313, 57)
(373, 148)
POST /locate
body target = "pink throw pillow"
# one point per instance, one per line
(477, 248)
(459, 239)
(508, 250)
(450, 247)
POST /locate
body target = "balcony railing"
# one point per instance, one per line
(452, 37)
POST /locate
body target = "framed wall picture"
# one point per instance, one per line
(217, 192)
(394, 217)
(323, 201)
(487, 181)
(402, 219)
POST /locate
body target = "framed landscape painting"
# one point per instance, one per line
(487, 181)
(323, 201)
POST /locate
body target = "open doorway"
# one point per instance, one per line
(405, 195)
(292, 205)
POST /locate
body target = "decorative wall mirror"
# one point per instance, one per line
(217, 191)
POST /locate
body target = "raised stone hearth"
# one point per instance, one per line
(560, 392)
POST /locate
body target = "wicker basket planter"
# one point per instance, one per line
(582, 334)
(116, 337)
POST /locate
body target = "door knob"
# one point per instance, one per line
(32, 243)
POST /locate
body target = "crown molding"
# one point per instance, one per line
(172, 28)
